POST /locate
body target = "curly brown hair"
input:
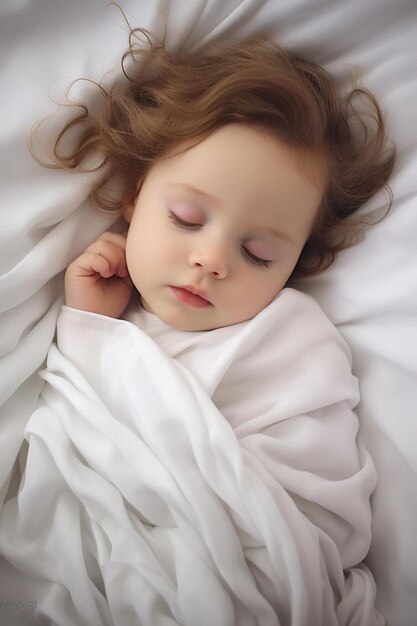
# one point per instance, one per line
(172, 97)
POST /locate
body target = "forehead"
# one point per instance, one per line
(244, 166)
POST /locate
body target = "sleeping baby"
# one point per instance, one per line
(196, 442)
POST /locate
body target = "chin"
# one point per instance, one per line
(186, 322)
(190, 325)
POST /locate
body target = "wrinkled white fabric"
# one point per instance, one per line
(234, 494)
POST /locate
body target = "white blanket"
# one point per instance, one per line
(145, 503)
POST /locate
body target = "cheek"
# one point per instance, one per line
(257, 291)
(149, 250)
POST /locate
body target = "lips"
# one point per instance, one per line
(192, 296)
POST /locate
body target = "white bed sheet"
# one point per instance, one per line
(370, 292)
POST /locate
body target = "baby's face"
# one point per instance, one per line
(216, 231)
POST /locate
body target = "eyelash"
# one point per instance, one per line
(255, 259)
(182, 223)
(190, 226)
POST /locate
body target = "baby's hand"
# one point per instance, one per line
(98, 280)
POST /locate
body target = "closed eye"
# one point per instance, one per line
(252, 258)
(178, 221)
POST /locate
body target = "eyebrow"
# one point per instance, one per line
(279, 234)
(195, 191)
(206, 196)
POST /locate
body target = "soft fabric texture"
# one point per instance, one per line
(215, 478)
(370, 293)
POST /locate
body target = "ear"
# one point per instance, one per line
(129, 203)
(128, 210)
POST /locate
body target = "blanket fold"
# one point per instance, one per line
(158, 495)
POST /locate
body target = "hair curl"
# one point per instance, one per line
(171, 97)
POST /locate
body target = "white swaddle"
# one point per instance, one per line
(155, 495)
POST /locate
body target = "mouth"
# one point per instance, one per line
(190, 295)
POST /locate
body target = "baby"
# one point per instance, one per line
(207, 477)
(214, 233)
(237, 169)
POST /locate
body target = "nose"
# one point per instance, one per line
(211, 258)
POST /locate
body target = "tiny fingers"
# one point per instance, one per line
(91, 263)
(113, 253)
